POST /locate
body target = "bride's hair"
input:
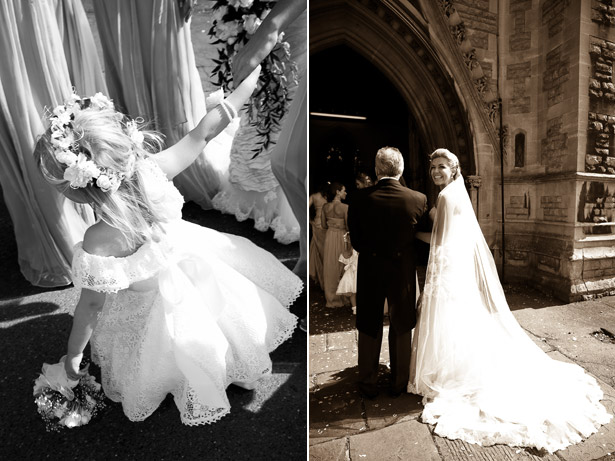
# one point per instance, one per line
(101, 135)
(452, 160)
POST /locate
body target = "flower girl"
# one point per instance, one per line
(348, 282)
(168, 306)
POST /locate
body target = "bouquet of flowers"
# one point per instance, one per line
(62, 402)
(234, 22)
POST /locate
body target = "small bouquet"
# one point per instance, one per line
(63, 402)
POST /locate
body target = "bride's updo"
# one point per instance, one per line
(451, 159)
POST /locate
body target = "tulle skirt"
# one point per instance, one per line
(212, 318)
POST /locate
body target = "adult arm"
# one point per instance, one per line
(424, 224)
(323, 216)
(354, 228)
(266, 36)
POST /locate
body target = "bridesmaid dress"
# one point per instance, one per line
(334, 221)
(151, 73)
(46, 49)
(317, 244)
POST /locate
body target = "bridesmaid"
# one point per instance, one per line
(46, 49)
(334, 220)
(151, 73)
(317, 244)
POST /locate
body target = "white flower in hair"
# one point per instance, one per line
(134, 133)
(104, 182)
(62, 140)
(80, 173)
(100, 101)
(66, 157)
(61, 119)
(108, 182)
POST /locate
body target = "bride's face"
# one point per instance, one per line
(441, 172)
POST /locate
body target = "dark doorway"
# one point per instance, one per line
(344, 82)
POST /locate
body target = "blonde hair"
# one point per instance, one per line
(451, 159)
(102, 137)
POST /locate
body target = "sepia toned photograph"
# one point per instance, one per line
(461, 203)
(153, 168)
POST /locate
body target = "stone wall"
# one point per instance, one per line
(519, 74)
(600, 157)
(556, 74)
(554, 145)
(554, 208)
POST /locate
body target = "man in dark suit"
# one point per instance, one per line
(383, 220)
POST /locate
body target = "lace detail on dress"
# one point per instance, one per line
(166, 201)
(108, 274)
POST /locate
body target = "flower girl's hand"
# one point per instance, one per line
(220, 116)
(71, 365)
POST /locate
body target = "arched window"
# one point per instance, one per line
(519, 150)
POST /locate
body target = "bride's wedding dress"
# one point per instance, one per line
(187, 314)
(483, 379)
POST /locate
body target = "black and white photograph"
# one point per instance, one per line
(461, 206)
(153, 168)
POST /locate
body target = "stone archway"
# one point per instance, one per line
(394, 38)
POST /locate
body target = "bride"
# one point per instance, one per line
(483, 379)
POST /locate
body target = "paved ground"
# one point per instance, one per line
(344, 426)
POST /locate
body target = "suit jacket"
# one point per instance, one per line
(383, 220)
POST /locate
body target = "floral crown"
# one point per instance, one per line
(82, 172)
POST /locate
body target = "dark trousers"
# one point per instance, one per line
(369, 355)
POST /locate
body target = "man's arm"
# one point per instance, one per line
(353, 225)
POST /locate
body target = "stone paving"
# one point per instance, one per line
(344, 426)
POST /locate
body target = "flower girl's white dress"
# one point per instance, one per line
(188, 314)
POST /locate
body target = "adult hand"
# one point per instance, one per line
(252, 54)
(266, 36)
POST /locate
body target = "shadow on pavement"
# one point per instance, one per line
(337, 408)
(15, 311)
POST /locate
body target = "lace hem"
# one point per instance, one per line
(285, 334)
(264, 208)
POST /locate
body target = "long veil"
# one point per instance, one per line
(483, 378)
